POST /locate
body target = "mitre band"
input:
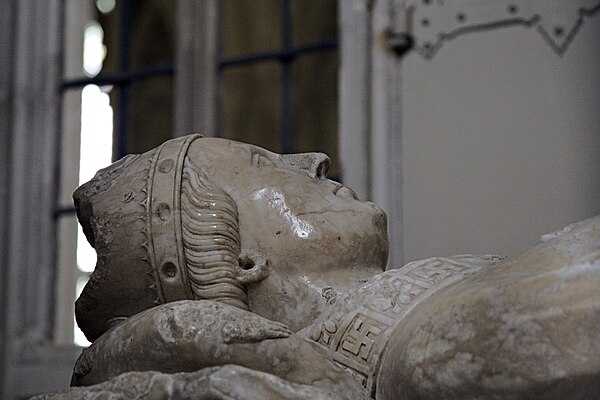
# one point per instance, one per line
(165, 243)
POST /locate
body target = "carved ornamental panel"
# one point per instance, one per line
(427, 25)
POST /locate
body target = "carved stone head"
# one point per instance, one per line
(197, 218)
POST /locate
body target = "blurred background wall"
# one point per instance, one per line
(500, 141)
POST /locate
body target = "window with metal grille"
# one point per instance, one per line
(278, 66)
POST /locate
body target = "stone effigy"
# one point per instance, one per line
(227, 271)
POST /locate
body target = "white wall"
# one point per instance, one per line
(500, 141)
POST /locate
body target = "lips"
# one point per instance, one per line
(336, 186)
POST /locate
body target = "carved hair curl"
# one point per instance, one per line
(211, 238)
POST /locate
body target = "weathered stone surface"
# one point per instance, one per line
(230, 382)
(528, 327)
(279, 275)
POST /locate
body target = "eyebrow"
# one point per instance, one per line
(257, 152)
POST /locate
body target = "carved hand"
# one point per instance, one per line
(230, 382)
(188, 336)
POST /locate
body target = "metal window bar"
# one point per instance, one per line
(286, 84)
(287, 55)
(124, 49)
(120, 79)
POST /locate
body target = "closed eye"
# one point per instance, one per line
(258, 160)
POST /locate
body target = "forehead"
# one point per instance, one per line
(227, 150)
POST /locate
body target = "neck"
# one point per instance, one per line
(297, 300)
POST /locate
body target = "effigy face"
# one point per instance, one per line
(289, 209)
(305, 224)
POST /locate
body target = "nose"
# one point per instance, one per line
(316, 164)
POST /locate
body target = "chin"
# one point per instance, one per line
(373, 244)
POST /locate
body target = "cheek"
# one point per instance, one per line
(322, 242)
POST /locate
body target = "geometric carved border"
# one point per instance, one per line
(360, 341)
(357, 337)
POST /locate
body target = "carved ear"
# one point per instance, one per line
(253, 267)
